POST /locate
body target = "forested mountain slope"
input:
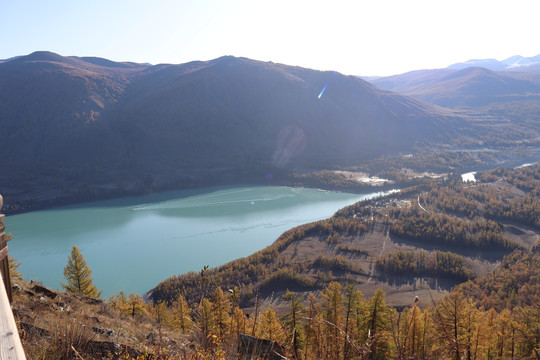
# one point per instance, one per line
(506, 104)
(469, 87)
(430, 236)
(82, 127)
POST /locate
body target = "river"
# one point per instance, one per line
(131, 244)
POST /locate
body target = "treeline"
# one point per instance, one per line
(333, 180)
(525, 210)
(435, 161)
(335, 264)
(454, 198)
(328, 180)
(423, 263)
(366, 208)
(287, 278)
(515, 283)
(340, 323)
(247, 273)
(352, 250)
(525, 178)
(489, 201)
(416, 224)
(391, 168)
(456, 217)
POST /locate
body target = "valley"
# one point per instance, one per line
(467, 227)
(434, 175)
(364, 259)
(113, 129)
(186, 231)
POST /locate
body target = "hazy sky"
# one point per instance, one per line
(375, 37)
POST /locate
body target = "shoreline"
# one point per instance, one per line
(180, 231)
(41, 202)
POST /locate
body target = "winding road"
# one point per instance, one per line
(421, 207)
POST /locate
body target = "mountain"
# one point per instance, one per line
(472, 86)
(501, 85)
(514, 63)
(505, 104)
(491, 64)
(83, 127)
(8, 59)
(405, 82)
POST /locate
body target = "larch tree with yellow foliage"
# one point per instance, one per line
(79, 276)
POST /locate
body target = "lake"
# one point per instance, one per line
(132, 244)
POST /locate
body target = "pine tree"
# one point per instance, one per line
(119, 302)
(79, 276)
(13, 264)
(160, 313)
(292, 320)
(453, 322)
(136, 304)
(221, 308)
(181, 315)
(14, 268)
(378, 320)
(239, 321)
(315, 340)
(272, 328)
(352, 302)
(206, 321)
(333, 307)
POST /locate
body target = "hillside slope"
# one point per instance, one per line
(470, 87)
(513, 63)
(82, 127)
(506, 104)
(426, 238)
(60, 325)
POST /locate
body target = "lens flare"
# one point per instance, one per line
(291, 142)
(322, 91)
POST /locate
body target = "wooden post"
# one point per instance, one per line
(10, 343)
(4, 262)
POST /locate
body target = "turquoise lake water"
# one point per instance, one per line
(132, 244)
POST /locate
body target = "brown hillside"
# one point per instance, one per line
(426, 238)
(74, 128)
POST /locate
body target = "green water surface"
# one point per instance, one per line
(132, 244)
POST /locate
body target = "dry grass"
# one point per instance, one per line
(377, 242)
(73, 327)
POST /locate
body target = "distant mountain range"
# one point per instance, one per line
(513, 63)
(74, 126)
(472, 86)
(508, 88)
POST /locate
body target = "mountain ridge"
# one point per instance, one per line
(94, 123)
(513, 63)
(467, 87)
